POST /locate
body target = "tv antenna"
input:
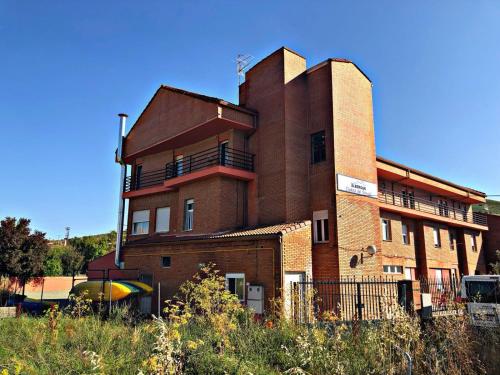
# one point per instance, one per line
(242, 61)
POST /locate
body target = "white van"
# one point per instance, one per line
(482, 294)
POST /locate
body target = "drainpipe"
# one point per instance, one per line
(121, 201)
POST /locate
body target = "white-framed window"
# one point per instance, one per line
(235, 283)
(188, 214)
(179, 165)
(409, 273)
(163, 219)
(393, 269)
(473, 241)
(140, 222)
(436, 236)
(439, 278)
(386, 230)
(320, 230)
(405, 233)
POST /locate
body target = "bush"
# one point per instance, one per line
(206, 331)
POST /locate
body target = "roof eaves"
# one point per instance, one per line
(432, 177)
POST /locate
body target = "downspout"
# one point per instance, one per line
(121, 201)
(282, 268)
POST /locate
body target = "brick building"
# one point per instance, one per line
(286, 185)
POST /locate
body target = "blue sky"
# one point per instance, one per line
(67, 68)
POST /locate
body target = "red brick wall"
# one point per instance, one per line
(492, 239)
(354, 155)
(256, 259)
(219, 205)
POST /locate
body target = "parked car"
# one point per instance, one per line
(482, 295)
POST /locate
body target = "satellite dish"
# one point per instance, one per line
(372, 249)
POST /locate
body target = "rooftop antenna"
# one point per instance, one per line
(66, 235)
(242, 61)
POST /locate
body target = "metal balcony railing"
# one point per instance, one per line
(223, 156)
(431, 207)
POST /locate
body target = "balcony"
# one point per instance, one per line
(423, 208)
(214, 161)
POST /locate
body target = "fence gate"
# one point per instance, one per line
(345, 299)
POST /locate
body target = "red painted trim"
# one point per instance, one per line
(146, 191)
(218, 170)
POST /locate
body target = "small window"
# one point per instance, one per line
(473, 242)
(235, 283)
(318, 147)
(393, 269)
(166, 262)
(140, 222)
(163, 219)
(188, 214)
(405, 234)
(320, 230)
(386, 230)
(453, 238)
(437, 236)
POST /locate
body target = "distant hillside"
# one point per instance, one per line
(490, 207)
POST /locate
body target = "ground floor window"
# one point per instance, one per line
(166, 262)
(393, 269)
(320, 230)
(235, 283)
(410, 273)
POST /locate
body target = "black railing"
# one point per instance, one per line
(444, 292)
(223, 156)
(406, 200)
(345, 299)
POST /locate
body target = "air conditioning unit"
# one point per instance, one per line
(255, 299)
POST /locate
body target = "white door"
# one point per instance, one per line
(290, 278)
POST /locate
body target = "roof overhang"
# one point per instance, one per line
(197, 133)
(408, 176)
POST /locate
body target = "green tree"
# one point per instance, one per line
(22, 252)
(71, 261)
(496, 266)
(92, 247)
(52, 265)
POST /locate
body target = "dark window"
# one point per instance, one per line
(138, 173)
(223, 153)
(318, 147)
(165, 262)
(482, 291)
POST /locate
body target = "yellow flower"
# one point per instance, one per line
(5, 372)
(191, 345)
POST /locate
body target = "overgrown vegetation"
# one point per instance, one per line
(206, 331)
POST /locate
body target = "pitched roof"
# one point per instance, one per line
(246, 233)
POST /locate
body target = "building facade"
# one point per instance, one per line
(284, 186)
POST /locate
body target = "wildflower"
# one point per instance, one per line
(191, 345)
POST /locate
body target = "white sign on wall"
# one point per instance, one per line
(355, 186)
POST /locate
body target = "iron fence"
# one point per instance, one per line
(346, 299)
(444, 292)
(406, 200)
(223, 156)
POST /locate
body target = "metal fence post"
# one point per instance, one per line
(359, 305)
